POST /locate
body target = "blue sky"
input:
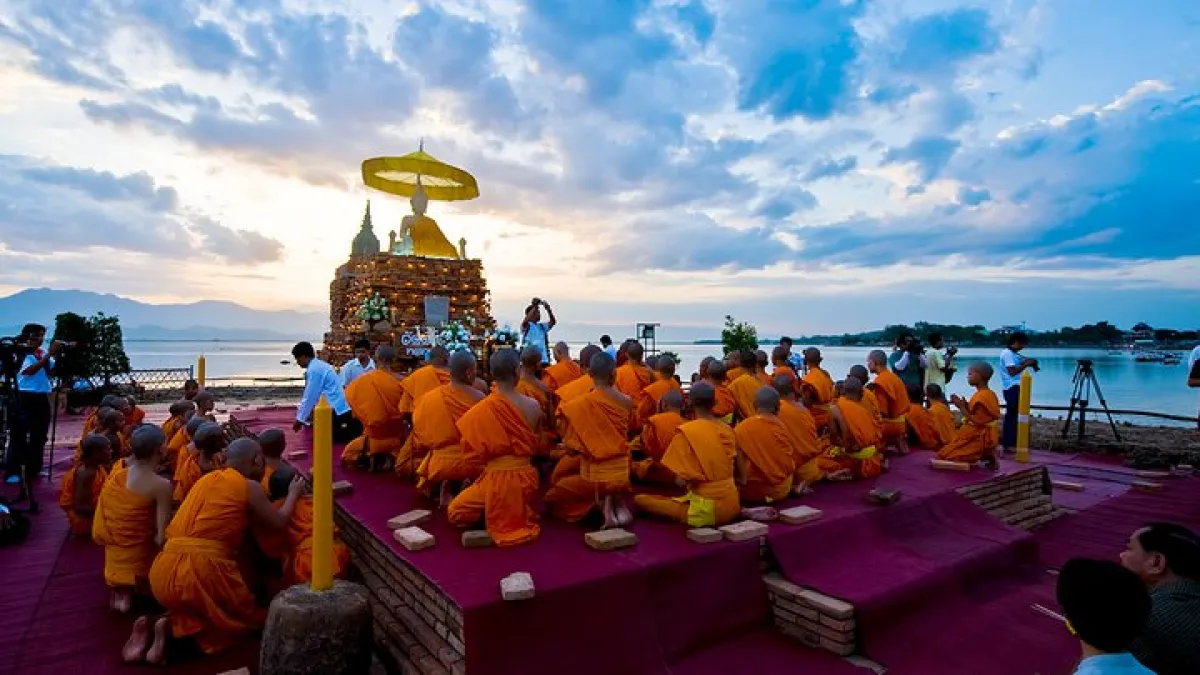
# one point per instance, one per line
(808, 165)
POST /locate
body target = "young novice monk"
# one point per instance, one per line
(920, 422)
(131, 517)
(803, 429)
(647, 400)
(977, 438)
(179, 416)
(293, 545)
(184, 452)
(939, 413)
(83, 482)
(893, 402)
(853, 433)
(766, 452)
(725, 404)
(656, 436)
(209, 442)
(273, 443)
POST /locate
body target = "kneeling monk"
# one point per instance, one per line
(766, 452)
(83, 482)
(648, 399)
(425, 379)
(196, 578)
(202, 456)
(920, 422)
(500, 434)
(702, 455)
(656, 437)
(374, 398)
(978, 436)
(131, 517)
(292, 546)
(435, 440)
(893, 402)
(803, 429)
(854, 435)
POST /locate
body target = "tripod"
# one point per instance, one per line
(1085, 381)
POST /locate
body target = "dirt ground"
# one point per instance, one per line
(1144, 446)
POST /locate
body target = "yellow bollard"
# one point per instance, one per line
(1023, 416)
(200, 370)
(322, 484)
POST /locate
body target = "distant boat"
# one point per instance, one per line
(1149, 357)
(1116, 352)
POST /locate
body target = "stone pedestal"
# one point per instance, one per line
(311, 633)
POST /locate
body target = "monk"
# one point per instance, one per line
(656, 436)
(766, 458)
(939, 412)
(205, 402)
(530, 384)
(83, 482)
(701, 455)
(136, 416)
(131, 518)
(500, 434)
(180, 450)
(761, 362)
(893, 401)
(190, 389)
(209, 442)
(702, 371)
(111, 426)
(582, 384)
(92, 422)
(273, 444)
(596, 429)
(853, 435)
(436, 442)
(564, 371)
(977, 438)
(648, 399)
(725, 405)
(425, 379)
(179, 415)
(746, 386)
(374, 398)
(634, 376)
(803, 429)
(292, 546)
(196, 578)
(817, 387)
(781, 367)
(920, 423)
(733, 366)
(869, 401)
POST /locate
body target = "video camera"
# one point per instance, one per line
(13, 351)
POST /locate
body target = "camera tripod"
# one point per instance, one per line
(1085, 381)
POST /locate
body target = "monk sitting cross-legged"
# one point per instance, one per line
(724, 406)
(939, 413)
(273, 443)
(869, 401)
(531, 386)
(83, 482)
(293, 545)
(920, 423)
(977, 438)
(374, 398)
(196, 578)
(893, 401)
(855, 440)
(648, 399)
(746, 386)
(500, 434)
(135, 415)
(803, 429)
(564, 371)
(131, 518)
(596, 429)
(634, 376)
(111, 425)
(767, 453)
(702, 457)
(209, 441)
(656, 436)
(582, 384)
(436, 441)
(426, 378)
(817, 387)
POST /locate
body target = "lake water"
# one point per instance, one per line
(1125, 383)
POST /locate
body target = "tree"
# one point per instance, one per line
(738, 336)
(107, 350)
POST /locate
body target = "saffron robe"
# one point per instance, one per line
(561, 374)
(726, 404)
(767, 453)
(574, 389)
(943, 422)
(893, 403)
(546, 438)
(187, 474)
(90, 423)
(819, 387)
(436, 440)
(118, 445)
(865, 461)
(786, 371)
(374, 398)
(744, 389)
(196, 577)
(81, 523)
(733, 374)
(648, 399)
(136, 417)
(172, 425)
(656, 437)
(701, 454)
(631, 379)
(496, 436)
(175, 446)
(921, 424)
(422, 381)
(125, 525)
(597, 428)
(871, 403)
(293, 545)
(809, 447)
(979, 434)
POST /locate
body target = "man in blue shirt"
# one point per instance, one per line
(31, 424)
(534, 333)
(320, 380)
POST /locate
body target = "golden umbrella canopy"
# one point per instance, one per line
(401, 176)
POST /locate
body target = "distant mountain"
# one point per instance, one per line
(143, 321)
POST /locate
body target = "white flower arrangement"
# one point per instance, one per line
(506, 337)
(374, 308)
(453, 336)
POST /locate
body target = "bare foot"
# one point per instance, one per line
(610, 516)
(622, 512)
(138, 642)
(840, 475)
(122, 601)
(157, 654)
(801, 490)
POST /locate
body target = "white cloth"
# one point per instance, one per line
(537, 335)
(354, 370)
(319, 379)
(933, 372)
(1009, 359)
(39, 382)
(902, 364)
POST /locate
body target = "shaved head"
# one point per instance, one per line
(672, 400)
(852, 388)
(766, 400)
(861, 373)
(462, 367)
(181, 407)
(194, 425)
(147, 441)
(439, 356)
(784, 384)
(112, 418)
(984, 369)
(812, 356)
(665, 366)
(280, 483)
(384, 354)
(203, 396)
(562, 351)
(760, 357)
(780, 354)
(733, 359)
(210, 439)
(748, 360)
(586, 354)
(272, 443)
(243, 456)
(717, 370)
(652, 362)
(877, 357)
(602, 367)
(531, 358)
(704, 397)
(635, 351)
(704, 365)
(504, 364)
(122, 403)
(95, 446)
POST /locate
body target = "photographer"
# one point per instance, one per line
(534, 333)
(31, 424)
(908, 360)
(940, 363)
(1012, 364)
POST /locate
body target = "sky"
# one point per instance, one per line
(810, 166)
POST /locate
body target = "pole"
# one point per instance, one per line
(322, 481)
(1023, 416)
(200, 370)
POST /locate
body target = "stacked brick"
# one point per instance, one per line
(1022, 499)
(817, 620)
(403, 281)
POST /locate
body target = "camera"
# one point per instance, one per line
(951, 351)
(914, 347)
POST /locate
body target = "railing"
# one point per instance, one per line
(150, 379)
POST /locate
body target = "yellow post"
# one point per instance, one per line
(200, 370)
(1023, 416)
(322, 484)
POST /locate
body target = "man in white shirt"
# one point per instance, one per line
(359, 365)
(31, 423)
(939, 363)
(1012, 364)
(320, 380)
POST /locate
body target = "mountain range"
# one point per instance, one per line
(204, 320)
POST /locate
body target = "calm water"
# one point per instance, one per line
(1125, 384)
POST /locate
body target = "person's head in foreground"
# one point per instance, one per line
(280, 482)
(602, 368)
(463, 367)
(96, 450)
(505, 366)
(272, 442)
(1105, 605)
(190, 389)
(605, 341)
(146, 444)
(704, 397)
(672, 401)
(304, 353)
(934, 392)
(1161, 553)
(245, 456)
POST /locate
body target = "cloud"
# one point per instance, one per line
(928, 155)
(693, 241)
(969, 196)
(830, 168)
(935, 44)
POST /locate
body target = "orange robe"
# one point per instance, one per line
(656, 437)
(767, 453)
(561, 374)
(81, 523)
(136, 417)
(787, 372)
(422, 381)
(819, 386)
(436, 440)
(866, 461)
(943, 422)
(733, 374)
(374, 398)
(293, 545)
(496, 436)
(744, 389)
(196, 578)
(546, 438)
(118, 445)
(648, 399)
(187, 474)
(171, 426)
(178, 443)
(979, 434)
(125, 525)
(893, 404)
(726, 404)
(90, 423)
(871, 403)
(574, 389)
(702, 454)
(597, 428)
(921, 423)
(631, 379)
(803, 428)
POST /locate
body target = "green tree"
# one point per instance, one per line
(738, 336)
(74, 361)
(106, 353)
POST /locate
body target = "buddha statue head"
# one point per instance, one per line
(419, 201)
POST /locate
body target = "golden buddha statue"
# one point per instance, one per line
(427, 238)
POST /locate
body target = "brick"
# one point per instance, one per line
(342, 487)
(608, 540)
(944, 465)
(744, 531)
(784, 615)
(477, 539)
(1067, 485)
(704, 535)
(517, 586)
(239, 671)
(798, 515)
(839, 648)
(798, 610)
(409, 519)
(295, 454)
(1146, 486)
(883, 497)
(782, 587)
(824, 604)
(455, 643)
(808, 637)
(840, 625)
(414, 538)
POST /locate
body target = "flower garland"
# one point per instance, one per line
(506, 337)
(374, 308)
